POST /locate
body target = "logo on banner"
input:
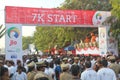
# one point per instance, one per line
(13, 32)
(97, 18)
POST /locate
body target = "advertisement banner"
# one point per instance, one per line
(13, 42)
(43, 16)
(102, 40)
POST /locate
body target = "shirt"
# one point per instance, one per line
(89, 74)
(106, 74)
(21, 76)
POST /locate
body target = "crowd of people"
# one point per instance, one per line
(61, 67)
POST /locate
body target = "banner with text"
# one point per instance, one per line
(103, 40)
(13, 42)
(43, 16)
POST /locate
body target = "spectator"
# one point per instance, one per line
(89, 73)
(75, 70)
(105, 73)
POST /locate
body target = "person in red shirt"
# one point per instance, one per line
(87, 40)
(93, 37)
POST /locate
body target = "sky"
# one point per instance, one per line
(25, 3)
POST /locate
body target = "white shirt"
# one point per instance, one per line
(21, 76)
(11, 70)
(51, 72)
(92, 63)
(89, 74)
(46, 71)
(106, 74)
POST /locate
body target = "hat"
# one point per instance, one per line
(40, 75)
(64, 66)
(112, 57)
(41, 63)
(76, 57)
(65, 59)
(32, 64)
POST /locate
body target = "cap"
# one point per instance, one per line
(41, 63)
(112, 57)
(65, 59)
(31, 64)
(76, 57)
(40, 75)
(64, 66)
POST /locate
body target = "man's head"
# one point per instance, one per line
(88, 64)
(76, 59)
(41, 66)
(19, 69)
(65, 67)
(102, 63)
(65, 60)
(112, 59)
(75, 70)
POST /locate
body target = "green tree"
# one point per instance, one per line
(26, 41)
(48, 37)
(2, 31)
(103, 5)
(114, 20)
(115, 8)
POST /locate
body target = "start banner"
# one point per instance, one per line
(43, 16)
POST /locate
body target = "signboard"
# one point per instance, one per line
(103, 40)
(13, 39)
(43, 16)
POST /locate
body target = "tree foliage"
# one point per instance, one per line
(48, 37)
(101, 5)
(26, 41)
(116, 8)
(2, 31)
(114, 20)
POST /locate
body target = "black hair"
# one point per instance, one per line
(88, 58)
(87, 64)
(3, 70)
(75, 70)
(18, 61)
(19, 67)
(42, 78)
(51, 64)
(104, 63)
(47, 64)
(31, 68)
(57, 61)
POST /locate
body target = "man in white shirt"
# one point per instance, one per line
(20, 75)
(11, 69)
(105, 73)
(89, 73)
